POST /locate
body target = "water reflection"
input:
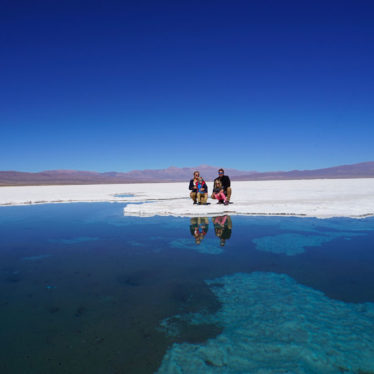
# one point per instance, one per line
(88, 288)
(222, 228)
(199, 228)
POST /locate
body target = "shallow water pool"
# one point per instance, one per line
(86, 290)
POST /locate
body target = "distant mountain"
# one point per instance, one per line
(361, 170)
(181, 174)
(55, 177)
(175, 174)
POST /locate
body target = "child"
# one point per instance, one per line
(201, 230)
(218, 193)
(202, 191)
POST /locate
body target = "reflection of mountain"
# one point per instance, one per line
(174, 174)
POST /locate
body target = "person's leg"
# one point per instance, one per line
(205, 220)
(228, 193)
(193, 196)
(218, 197)
(229, 222)
(204, 198)
(199, 197)
(213, 196)
(221, 196)
(219, 220)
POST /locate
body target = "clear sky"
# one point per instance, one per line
(119, 85)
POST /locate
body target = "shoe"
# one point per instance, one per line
(226, 203)
(198, 203)
(220, 202)
(195, 202)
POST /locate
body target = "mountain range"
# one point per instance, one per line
(175, 174)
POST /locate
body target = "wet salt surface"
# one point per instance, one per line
(85, 289)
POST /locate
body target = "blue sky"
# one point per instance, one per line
(253, 85)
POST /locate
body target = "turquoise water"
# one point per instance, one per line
(86, 290)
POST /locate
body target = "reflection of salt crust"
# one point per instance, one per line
(271, 324)
(315, 198)
(293, 244)
(207, 246)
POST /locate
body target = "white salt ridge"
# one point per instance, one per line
(321, 198)
(272, 324)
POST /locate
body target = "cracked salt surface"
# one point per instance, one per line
(272, 324)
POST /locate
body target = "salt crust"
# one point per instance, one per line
(272, 324)
(321, 198)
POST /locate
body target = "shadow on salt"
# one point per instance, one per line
(272, 324)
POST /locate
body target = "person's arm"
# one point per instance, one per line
(191, 187)
(228, 182)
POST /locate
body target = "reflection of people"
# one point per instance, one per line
(199, 227)
(192, 187)
(222, 228)
(202, 191)
(226, 184)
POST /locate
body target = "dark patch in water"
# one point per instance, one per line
(135, 279)
(194, 297)
(12, 278)
(210, 363)
(80, 311)
(197, 334)
(53, 309)
(98, 340)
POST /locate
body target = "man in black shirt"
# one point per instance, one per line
(226, 184)
(222, 228)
